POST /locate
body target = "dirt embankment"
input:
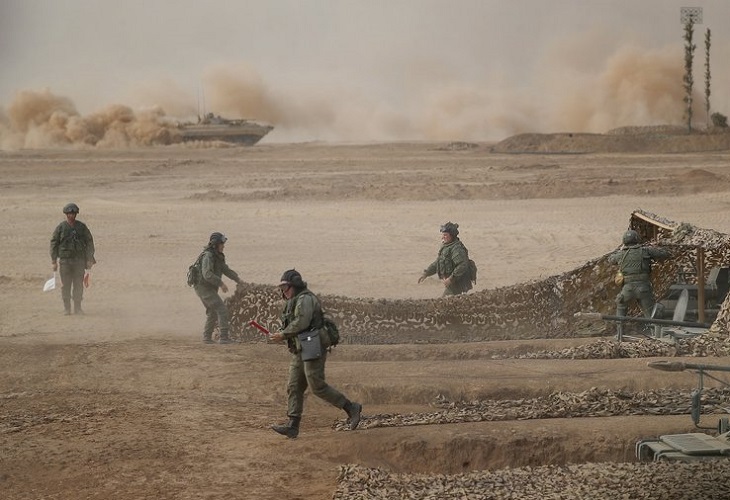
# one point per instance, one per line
(660, 140)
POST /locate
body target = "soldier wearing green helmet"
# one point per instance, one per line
(303, 313)
(72, 246)
(634, 261)
(452, 263)
(213, 266)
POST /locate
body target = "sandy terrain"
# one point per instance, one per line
(127, 403)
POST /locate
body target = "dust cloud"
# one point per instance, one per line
(41, 119)
(568, 92)
(635, 87)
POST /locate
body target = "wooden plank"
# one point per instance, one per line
(643, 217)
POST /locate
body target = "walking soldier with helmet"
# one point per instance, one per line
(302, 323)
(453, 266)
(72, 246)
(211, 266)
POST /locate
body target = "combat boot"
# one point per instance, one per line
(354, 414)
(224, 338)
(290, 430)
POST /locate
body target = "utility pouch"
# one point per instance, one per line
(311, 346)
(619, 278)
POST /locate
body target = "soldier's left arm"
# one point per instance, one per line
(613, 258)
(227, 271)
(658, 253)
(431, 269)
(90, 249)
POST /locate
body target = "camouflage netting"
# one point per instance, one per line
(539, 309)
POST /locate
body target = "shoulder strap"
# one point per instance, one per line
(318, 313)
(466, 250)
(626, 252)
(200, 258)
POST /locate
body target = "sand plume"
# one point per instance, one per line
(41, 119)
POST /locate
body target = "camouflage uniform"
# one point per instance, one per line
(453, 262)
(635, 263)
(302, 313)
(73, 247)
(213, 266)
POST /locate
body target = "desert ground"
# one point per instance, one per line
(126, 402)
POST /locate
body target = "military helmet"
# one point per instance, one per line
(631, 237)
(216, 238)
(293, 278)
(450, 227)
(71, 208)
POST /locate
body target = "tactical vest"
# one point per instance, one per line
(635, 260)
(317, 316)
(72, 240)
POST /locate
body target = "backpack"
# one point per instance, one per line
(472, 271)
(195, 273)
(333, 331)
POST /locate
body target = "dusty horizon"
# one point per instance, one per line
(351, 73)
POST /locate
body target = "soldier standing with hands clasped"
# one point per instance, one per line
(72, 246)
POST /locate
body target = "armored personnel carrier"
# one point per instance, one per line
(216, 128)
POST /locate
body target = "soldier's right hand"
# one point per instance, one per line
(55, 266)
(224, 288)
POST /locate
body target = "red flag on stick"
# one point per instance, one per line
(259, 327)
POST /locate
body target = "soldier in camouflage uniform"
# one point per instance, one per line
(213, 266)
(72, 246)
(634, 261)
(452, 263)
(302, 313)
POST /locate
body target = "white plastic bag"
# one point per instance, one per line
(50, 284)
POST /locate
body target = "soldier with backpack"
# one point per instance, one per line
(303, 329)
(205, 276)
(634, 261)
(453, 266)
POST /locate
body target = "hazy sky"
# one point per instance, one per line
(369, 69)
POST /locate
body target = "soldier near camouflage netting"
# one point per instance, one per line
(452, 265)
(302, 324)
(213, 266)
(634, 261)
(73, 247)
